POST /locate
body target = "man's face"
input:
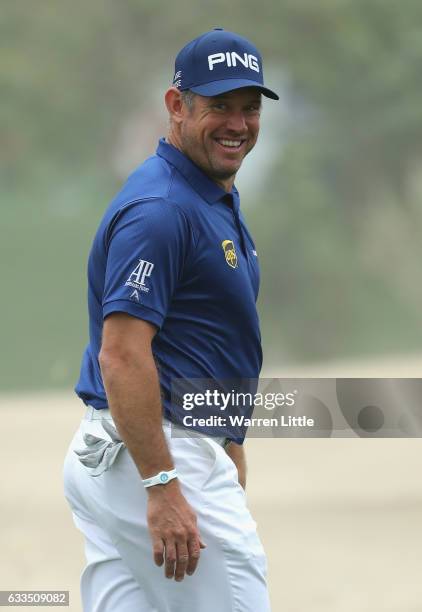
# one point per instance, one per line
(218, 132)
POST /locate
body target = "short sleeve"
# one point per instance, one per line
(146, 250)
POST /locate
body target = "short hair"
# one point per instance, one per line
(188, 97)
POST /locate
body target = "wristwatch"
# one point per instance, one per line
(161, 478)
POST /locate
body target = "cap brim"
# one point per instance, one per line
(216, 88)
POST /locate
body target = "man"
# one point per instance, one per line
(173, 281)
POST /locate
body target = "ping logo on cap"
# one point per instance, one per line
(231, 58)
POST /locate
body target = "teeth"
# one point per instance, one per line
(230, 143)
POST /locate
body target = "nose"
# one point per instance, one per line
(236, 121)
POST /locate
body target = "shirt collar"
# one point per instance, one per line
(202, 184)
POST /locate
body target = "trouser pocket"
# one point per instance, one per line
(100, 453)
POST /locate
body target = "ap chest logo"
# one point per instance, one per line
(139, 275)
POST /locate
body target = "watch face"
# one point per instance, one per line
(164, 477)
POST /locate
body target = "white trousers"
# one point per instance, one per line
(110, 511)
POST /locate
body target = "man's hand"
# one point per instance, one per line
(133, 393)
(173, 529)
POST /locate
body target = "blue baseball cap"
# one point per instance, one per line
(219, 61)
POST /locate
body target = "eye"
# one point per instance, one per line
(219, 106)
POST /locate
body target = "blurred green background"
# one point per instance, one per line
(332, 192)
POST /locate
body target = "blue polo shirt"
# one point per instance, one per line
(173, 249)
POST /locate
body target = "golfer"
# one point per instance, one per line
(173, 279)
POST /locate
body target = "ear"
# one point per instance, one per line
(174, 104)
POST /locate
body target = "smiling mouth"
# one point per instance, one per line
(232, 145)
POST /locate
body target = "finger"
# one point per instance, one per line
(170, 556)
(194, 547)
(182, 561)
(158, 551)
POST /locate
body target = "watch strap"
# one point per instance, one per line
(161, 478)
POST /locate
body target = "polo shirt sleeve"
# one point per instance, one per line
(146, 249)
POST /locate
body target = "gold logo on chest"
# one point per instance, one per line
(230, 253)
